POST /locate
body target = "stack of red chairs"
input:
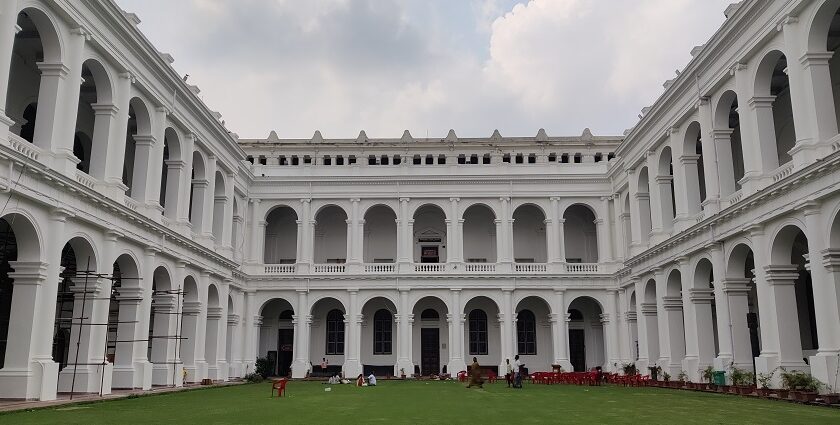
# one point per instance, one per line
(462, 376)
(491, 377)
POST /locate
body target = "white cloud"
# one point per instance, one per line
(385, 65)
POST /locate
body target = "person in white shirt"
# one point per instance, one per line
(517, 372)
(508, 372)
(371, 380)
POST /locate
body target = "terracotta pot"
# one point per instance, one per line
(808, 396)
(782, 393)
(831, 398)
(794, 394)
(746, 390)
(762, 392)
(723, 388)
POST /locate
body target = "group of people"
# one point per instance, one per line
(371, 381)
(513, 374)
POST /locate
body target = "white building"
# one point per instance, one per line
(708, 235)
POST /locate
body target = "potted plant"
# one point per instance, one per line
(666, 378)
(741, 380)
(802, 386)
(708, 375)
(654, 372)
(682, 379)
(764, 380)
(629, 369)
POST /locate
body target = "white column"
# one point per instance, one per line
(116, 145)
(456, 250)
(559, 330)
(208, 198)
(725, 162)
(307, 237)
(605, 232)
(352, 358)
(656, 205)
(232, 353)
(504, 236)
(221, 372)
(255, 251)
(699, 329)
(673, 311)
(185, 184)
(227, 222)
(354, 234)
(457, 362)
(666, 210)
(8, 29)
(819, 104)
(508, 317)
(64, 111)
(710, 169)
(554, 235)
(780, 340)
(144, 146)
(724, 357)
(403, 317)
(611, 322)
(737, 302)
(250, 336)
(156, 170)
(690, 189)
(821, 262)
(643, 312)
(104, 120)
(404, 242)
(302, 321)
(662, 325)
(624, 334)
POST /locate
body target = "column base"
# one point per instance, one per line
(300, 369)
(234, 370)
(565, 364)
(455, 365)
(38, 382)
(196, 372)
(825, 367)
(88, 379)
(351, 369)
(770, 364)
(123, 377)
(218, 371)
(692, 368)
(168, 375)
(723, 363)
(407, 368)
(642, 366)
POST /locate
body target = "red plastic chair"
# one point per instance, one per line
(462, 376)
(280, 386)
(491, 377)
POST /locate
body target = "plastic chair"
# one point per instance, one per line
(280, 386)
(491, 377)
(462, 376)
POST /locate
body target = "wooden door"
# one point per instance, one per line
(429, 351)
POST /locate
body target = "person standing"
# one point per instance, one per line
(517, 372)
(475, 375)
(508, 372)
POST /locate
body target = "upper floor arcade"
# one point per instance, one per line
(469, 235)
(758, 103)
(85, 98)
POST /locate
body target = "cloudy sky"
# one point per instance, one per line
(341, 66)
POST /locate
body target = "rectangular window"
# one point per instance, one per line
(307, 159)
(430, 160)
(295, 160)
(351, 159)
(441, 159)
(519, 158)
(564, 158)
(552, 157)
(383, 160)
(397, 160)
(506, 158)
(371, 160)
(476, 260)
(578, 158)
(327, 160)
(486, 159)
(339, 160)
(416, 160)
(462, 159)
(282, 160)
(532, 159)
(262, 160)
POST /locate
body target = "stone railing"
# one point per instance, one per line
(380, 268)
(480, 267)
(429, 267)
(531, 267)
(23, 147)
(85, 180)
(783, 171)
(582, 268)
(280, 269)
(329, 268)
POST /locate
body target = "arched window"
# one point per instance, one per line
(382, 332)
(335, 332)
(526, 332)
(575, 315)
(478, 332)
(429, 314)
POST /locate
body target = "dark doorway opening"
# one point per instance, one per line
(429, 351)
(429, 254)
(577, 349)
(285, 351)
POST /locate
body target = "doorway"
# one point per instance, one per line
(429, 351)
(285, 353)
(429, 254)
(577, 349)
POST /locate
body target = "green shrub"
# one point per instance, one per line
(253, 377)
(800, 381)
(263, 367)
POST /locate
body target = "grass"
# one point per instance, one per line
(431, 402)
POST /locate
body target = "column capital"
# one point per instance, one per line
(306, 200)
(404, 200)
(255, 201)
(52, 69)
(355, 200)
(809, 207)
(815, 58)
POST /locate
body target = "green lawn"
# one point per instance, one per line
(431, 402)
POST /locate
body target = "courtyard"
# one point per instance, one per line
(430, 402)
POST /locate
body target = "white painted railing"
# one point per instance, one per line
(329, 268)
(130, 203)
(429, 267)
(280, 269)
(85, 180)
(531, 268)
(23, 147)
(380, 268)
(783, 171)
(480, 267)
(582, 268)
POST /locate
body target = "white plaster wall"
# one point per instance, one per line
(330, 235)
(367, 356)
(429, 221)
(380, 235)
(529, 234)
(479, 234)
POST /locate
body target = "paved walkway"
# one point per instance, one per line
(7, 405)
